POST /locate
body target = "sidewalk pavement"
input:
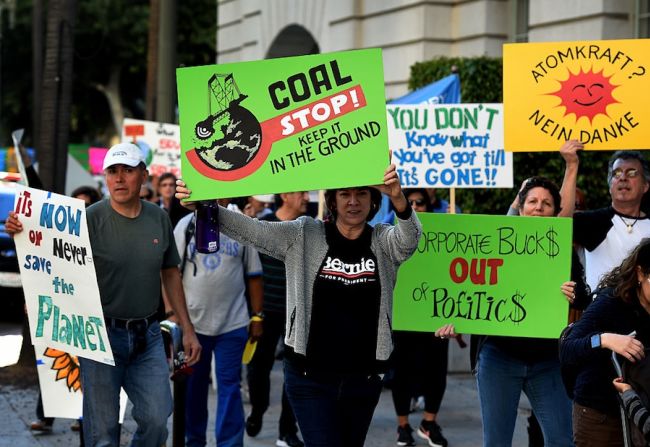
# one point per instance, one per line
(459, 418)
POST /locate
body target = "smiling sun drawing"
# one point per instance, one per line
(586, 93)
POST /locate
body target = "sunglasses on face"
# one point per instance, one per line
(629, 173)
(417, 202)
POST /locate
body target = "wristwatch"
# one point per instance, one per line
(259, 315)
(595, 341)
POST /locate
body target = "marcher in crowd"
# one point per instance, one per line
(133, 249)
(340, 279)
(535, 435)
(621, 307)
(419, 363)
(88, 194)
(166, 199)
(609, 234)
(506, 366)
(259, 205)
(438, 204)
(290, 206)
(146, 192)
(215, 286)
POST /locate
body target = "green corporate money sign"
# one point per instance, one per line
(281, 125)
(492, 275)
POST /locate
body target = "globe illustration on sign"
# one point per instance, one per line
(147, 153)
(230, 137)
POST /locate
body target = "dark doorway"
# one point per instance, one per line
(294, 40)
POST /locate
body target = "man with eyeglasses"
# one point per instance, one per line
(608, 234)
(418, 199)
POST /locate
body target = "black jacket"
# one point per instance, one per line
(593, 387)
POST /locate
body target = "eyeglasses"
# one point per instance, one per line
(418, 202)
(629, 173)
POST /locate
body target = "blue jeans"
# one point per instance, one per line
(145, 378)
(332, 411)
(501, 378)
(229, 427)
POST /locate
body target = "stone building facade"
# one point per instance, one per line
(409, 31)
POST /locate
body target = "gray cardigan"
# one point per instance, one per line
(301, 245)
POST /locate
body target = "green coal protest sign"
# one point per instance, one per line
(492, 275)
(281, 125)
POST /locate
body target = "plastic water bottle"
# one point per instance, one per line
(207, 227)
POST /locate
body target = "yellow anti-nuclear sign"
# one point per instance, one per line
(597, 92)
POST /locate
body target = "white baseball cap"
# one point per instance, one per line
(265, 198)
(123, 154)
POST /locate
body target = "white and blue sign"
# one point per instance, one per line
(449, 146)
(58, 275)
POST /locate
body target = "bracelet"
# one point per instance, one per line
(255, 318)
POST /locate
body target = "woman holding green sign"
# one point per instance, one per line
(340, 279)
(506, 366)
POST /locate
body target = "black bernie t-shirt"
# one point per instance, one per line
(345, 312)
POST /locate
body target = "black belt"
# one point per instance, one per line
(130, 323)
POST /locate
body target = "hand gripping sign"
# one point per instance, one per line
(283, 125)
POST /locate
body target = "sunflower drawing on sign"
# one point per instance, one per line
(66, 367)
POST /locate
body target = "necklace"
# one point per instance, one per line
(629, 225)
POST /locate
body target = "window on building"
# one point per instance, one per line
(519, 31)
(642, 18)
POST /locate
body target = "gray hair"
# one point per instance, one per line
(628, 155)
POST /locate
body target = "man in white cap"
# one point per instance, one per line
(259, 205)
(133, 249)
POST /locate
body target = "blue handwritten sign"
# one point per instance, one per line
(58, 275)
(449, 146)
